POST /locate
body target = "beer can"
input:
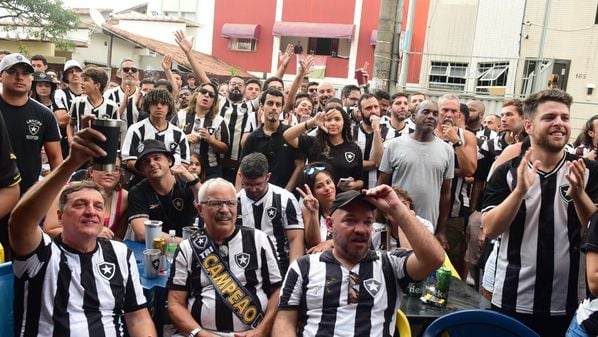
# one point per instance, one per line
(415, 289)
(160, 244)
(443, 282)
(151, 263)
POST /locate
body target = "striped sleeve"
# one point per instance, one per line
(134, 297)
(293, 218)
(291, 293)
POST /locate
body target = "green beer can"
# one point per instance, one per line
(443, 283)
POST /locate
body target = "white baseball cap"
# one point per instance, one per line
(13, 59)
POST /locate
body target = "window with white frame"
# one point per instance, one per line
(491, 75)
(448, 75)
(242, 44)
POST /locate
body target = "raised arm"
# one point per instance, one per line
(23, 228)
(427, 252)
(283, 60)
(304, 69)
(167, 68)
(187, 47)
(291, 135)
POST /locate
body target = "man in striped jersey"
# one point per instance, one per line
(369, 136)
(225, 277)
(352, 290)
(78, 284)
(270, 208)
(128, 94)
(537, 203)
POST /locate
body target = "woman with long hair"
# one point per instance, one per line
(206, 130)
(332, 144)
(317, 194)
(42, 90)
(115, 205)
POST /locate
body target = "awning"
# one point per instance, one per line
(373, 37)
(240, 31)
(309, 29)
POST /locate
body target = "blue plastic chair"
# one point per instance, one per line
(6, 297)
(478, 322)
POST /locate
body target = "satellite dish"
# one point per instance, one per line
(97, 18)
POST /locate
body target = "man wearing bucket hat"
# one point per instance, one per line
(166, 194)
(353, 278)
(76, 282)
(71, 76)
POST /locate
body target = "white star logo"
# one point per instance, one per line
(271, 212)
(106, 270)
(372, 286)
(242, 260)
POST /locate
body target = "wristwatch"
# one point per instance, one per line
(193, 182)
(194, 332)
(458, 143)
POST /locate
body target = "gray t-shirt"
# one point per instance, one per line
(420, 168)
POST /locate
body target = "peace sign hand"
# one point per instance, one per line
(309, 201)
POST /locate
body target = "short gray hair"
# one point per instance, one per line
(201, 195)
(449, 97)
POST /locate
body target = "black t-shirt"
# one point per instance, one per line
(176, 209)
(345, 158)
(281, 156)
(29, 127)
(9, 173)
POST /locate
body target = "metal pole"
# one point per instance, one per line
(537, 85)
(407, 45)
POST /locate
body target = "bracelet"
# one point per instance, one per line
(193, 182)
(195, 331)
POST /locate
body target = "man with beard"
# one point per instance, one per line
(369, 136)
(492, 122)
(539, 203)
(399, 114)
(409, 161)
(474, 122)
(350, 97)
(384, 100)
(284, 162)
(350, 290)
(239, 115)
(414, 100)
(325, 92)
(184, 97)
(127, 95)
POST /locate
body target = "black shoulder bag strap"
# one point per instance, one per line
(238, 299)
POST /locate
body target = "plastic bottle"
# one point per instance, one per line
(171, 246)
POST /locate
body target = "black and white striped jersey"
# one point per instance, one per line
(587, 312)
(60, 292)
(250, 257)
(317, 286)
(275, 213)
(82, 106)
(538, 260)
(173, 137)
(117, 95)
(240, 118)
(64, 98)
(365, 141)
(394, 133)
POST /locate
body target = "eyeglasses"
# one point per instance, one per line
(312, 169)
(236, 84)
(312, 89)
(129, 70)
(206, 91)
(354, 281)
(219, 203)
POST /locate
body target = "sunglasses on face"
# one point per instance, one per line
(315, 168)
(313, 90)
(206, 91)
(129, 70)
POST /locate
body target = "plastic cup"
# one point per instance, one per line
(110, 128)
(153, 229)
(359, 76)
(151, 263)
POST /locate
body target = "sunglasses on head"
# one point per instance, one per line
(313, 169)
(129, 70)
(204, 91)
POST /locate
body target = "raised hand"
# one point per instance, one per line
(309, 201)
(306, 66)
(167, 62)
(284, 58)
(576, 178)
(525, 175)
(185, 44)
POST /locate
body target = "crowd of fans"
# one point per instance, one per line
(281, 178)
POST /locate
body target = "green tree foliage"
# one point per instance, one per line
(42, 19)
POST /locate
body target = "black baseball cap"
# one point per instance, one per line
(345, 198)
(152, 146)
